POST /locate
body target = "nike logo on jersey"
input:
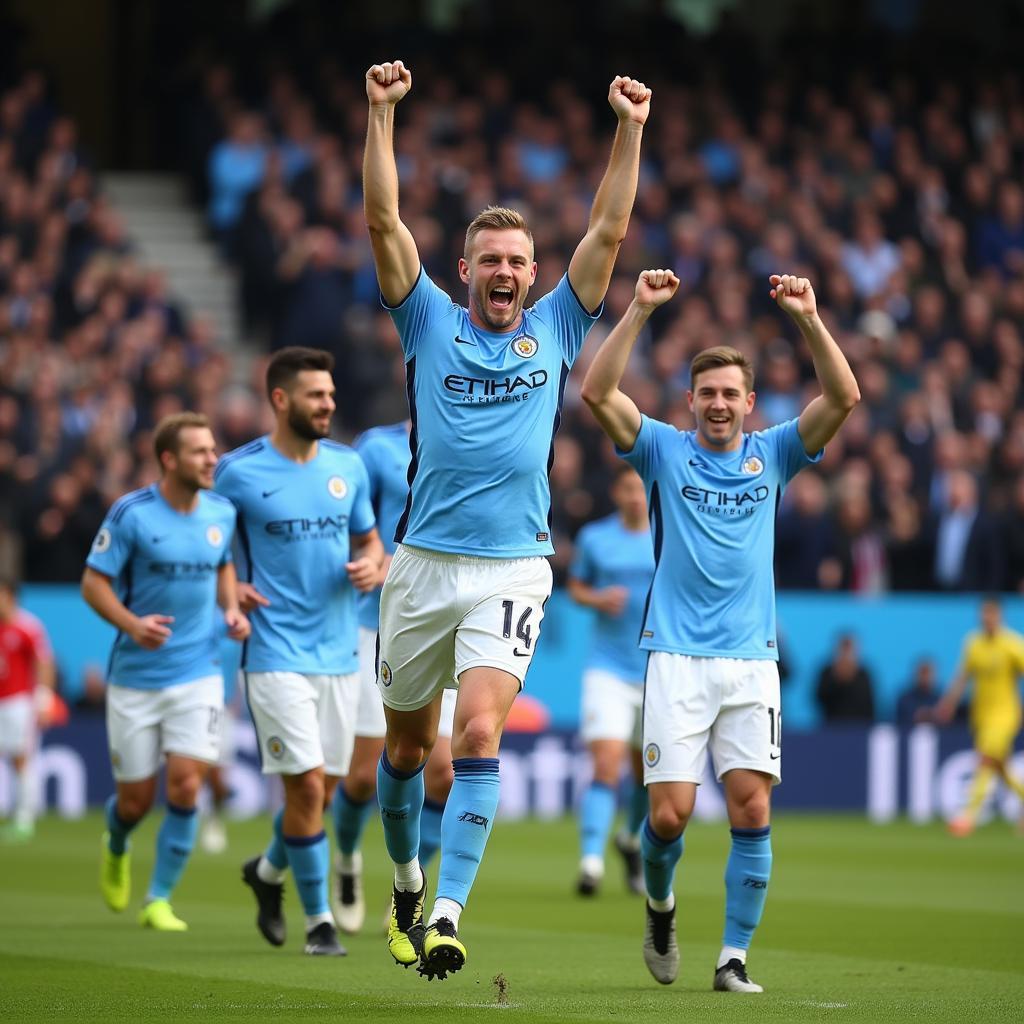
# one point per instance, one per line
(462, 341)
(267, 494)
(775, 757)
(520, 654)
(698, 464)
(156, 540)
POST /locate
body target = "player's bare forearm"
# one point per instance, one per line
(227, 588)
(590, 269)
(99, 595)
(839, 392)
(615, 411)
(582, 593)
(394, 249)
(46, 673)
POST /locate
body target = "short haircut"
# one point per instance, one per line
(287, 363)
(167, 436)
(497, 218)
(721, 355)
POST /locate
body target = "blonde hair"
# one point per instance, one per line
(497, 218)
(721, 355)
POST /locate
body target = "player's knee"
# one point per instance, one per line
(361, 784)
(479, 737)
(133, 806)
(305, 793)
(667, 820)
(183, 790)
(752, 812)
(407, 753)
(438, 777)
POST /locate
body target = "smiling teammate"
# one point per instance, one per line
(712, 676)
(465, 593)
(158, 567)
(309, 543)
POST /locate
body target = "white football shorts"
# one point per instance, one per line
(370, 717)
(145, 725)
(441, 614)
(611, 708)
(17, 725)
(303, 721)
(370, 720)
(728, 706)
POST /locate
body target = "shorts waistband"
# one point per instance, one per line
(452, 558)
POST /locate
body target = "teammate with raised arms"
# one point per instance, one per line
(464, 597)
(712, 675)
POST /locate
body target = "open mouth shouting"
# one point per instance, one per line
(501, 297)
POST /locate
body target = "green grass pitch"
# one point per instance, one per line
(863, 923)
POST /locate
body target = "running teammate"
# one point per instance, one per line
(158, 568)
(611, 573)
(712, 676)
(993, 658)
(385, 453)
(308, 543)
(465, 593)
(27, 682)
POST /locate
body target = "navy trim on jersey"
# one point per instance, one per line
(130, 501)
(656, 530)
(384, 302)
(593, 315)
(554, 430)
(239, 453)
(252, 718)
(410, 390)
(242, 536)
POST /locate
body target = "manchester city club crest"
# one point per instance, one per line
(652, 754)
(385, 673)
(525, 346)
(102, 541)
(753, 465)
(275, 747)
(214, 536)
(337, 488)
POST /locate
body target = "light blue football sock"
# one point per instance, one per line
(746, 884)
(597, 811)
(308, 857)
(660, 859)
(467, 822)
(350, 817)
(430, 829)
(118, 830)
(174, 844)
(275, 851)
(636, 809)
(400, 795)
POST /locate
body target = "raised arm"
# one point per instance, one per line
(945, 709)
(590, 269)
(617, 412)
(825, 414)
(394, 249)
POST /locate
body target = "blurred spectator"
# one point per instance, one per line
(844, 685)
(966, 541)
(917, 700)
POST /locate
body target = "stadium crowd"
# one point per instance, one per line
(901, 202)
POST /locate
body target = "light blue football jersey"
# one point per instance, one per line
(385, 453)
(294, 521)
(713, 520)
(485, 407)
(610, 555)
(165, 562)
